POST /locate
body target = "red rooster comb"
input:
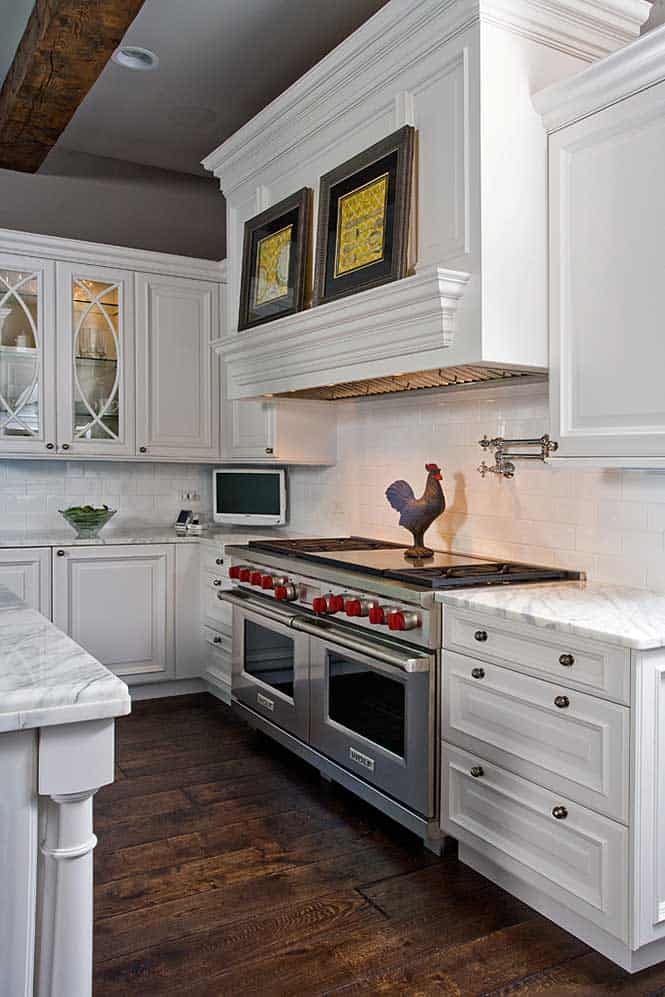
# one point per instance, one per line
(432, 467)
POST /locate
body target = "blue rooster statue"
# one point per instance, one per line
(417, 515)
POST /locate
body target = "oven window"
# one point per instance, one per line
(269, 657)
(367, 702)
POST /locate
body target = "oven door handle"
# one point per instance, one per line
(371, 650)
(246, 602)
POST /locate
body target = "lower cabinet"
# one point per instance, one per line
(118, 602)
(26, 571)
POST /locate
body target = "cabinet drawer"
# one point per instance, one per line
(218, 662)
(589, 665)
(580, 750)
(581, 861)
(213, 561)
(216, 612)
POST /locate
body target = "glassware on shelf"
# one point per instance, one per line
(20, 414)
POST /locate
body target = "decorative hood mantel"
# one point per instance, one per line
(474, 306)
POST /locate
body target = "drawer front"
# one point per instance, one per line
(579, 748)
(211, 558)
(216, 612)
(601, 669)
(218, 662)
(581, 860)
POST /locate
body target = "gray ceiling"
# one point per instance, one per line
(221, 61)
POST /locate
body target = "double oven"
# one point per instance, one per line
(361, 706)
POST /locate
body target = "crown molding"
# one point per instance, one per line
(389, 44)
(636, 67)
(97, 254)
(391, 324)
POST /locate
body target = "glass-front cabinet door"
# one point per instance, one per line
(27, 355)
(95, 360)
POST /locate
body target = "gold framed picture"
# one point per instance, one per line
(274, 263)
(364, 207)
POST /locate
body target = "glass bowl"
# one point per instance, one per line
(86, 520)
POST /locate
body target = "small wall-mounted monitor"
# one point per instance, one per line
(249, 496)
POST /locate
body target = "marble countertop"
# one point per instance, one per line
(137, 535)
(629, 617)
(45, 678)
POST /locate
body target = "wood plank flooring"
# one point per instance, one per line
(225, 866)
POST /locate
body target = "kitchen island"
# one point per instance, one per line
(57, 710)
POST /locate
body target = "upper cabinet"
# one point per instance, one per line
(27, 355)
(95, 361)
(607, 293)
(177, 373)
(281, 431)
(473, 302)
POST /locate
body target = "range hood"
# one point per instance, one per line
(474, 305)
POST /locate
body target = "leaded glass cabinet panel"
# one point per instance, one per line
(96, 372)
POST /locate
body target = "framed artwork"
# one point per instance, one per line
(364, 207)
(274, 261)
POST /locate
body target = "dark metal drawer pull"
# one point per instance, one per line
(567, 660)
(219, 560)
(559, 813)
(477, 771)
(562, 702)
(217, 640)
(217, 582)
(480, 635)
(478, 673)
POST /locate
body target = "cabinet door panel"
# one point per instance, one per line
(26, 572)
(95, 360)
(607, 216)
(27, 354)
(176, 373)
(249, 430)
(117, 603)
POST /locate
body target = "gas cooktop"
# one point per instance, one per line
(381, 557)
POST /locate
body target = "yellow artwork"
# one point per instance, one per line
(361, 223)
(272, 266)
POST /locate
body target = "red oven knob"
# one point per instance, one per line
(285, 593)
(320, 604)
(398, 620)
(335, 604)
(353, 607)
(243, 574)
(234, 572)
(267, 582)
(377, 615)
(255, 578)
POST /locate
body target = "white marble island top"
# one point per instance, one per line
(629, 617)
(46, 678)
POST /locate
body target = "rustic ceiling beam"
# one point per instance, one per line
(64, 48)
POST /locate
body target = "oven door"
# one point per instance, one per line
(373, 711)
(270, 663)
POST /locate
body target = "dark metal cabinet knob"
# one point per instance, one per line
(65, 446)
(50, 446)
(567, 660)
(559, 813)
(269, 450)
(478, 673)
(60, 553)
(143, 449)
(217, 640)
(217, 582)
(477, 771)
(562, 702)
(219, 561)
(480, 635)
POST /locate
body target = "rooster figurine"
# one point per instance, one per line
(417, 515)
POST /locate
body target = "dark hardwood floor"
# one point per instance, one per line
(225, 866)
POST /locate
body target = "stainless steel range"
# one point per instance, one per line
(336, 647)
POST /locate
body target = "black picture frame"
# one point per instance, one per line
(267, 232)
(385, 170)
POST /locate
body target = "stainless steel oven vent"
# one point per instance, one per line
(442, 377)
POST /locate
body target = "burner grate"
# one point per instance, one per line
(324, 546)
(489, 573)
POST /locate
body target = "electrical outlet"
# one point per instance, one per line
(190, 497)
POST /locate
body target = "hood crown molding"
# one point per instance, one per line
(635, 67)
(390, 41)
(407, 319)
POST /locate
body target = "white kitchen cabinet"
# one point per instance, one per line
(118, 603)
(177, 374)
(96, 414)
(26, 571)
(283, 431)
(27, 354)
(607, 294)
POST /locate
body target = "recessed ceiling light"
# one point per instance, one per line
(133, 57)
